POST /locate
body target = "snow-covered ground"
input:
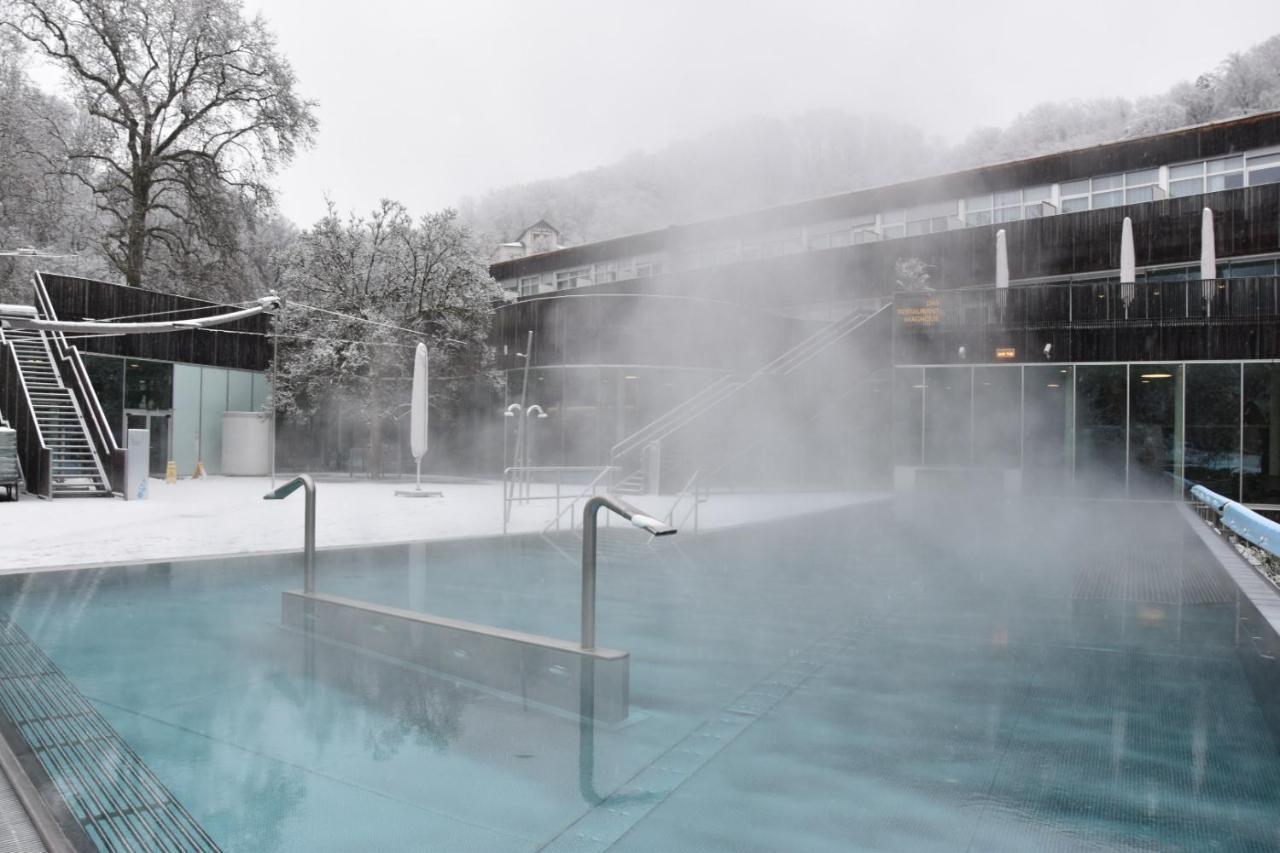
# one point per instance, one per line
(227, 515)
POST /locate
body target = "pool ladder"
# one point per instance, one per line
(590, 513)
(309, 526)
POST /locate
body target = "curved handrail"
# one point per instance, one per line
(638, 519)
(309, 525)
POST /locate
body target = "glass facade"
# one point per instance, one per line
(1135, 430)
(181, 406)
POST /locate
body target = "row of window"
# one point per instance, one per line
(1134, 187)
(639, 267)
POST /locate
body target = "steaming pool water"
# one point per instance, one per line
(1007, 680)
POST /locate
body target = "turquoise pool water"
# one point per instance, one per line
(839, 683)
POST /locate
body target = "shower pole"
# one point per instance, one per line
(520, 424)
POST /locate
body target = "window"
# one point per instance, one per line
(1226, 173)
(647, 266)
(1187, 179)
(1143, 185)
(1108, 191)
(1008, 206)
(1264, 169)
(977, 210)
(567, 279)
(606, 272)
(893, 224)
(1037, 202)
(931, 218)
(1075, 196)
(529, 285)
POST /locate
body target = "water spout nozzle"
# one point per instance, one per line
(652, 525)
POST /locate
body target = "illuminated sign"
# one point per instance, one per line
(928, 314)
(1005, 353)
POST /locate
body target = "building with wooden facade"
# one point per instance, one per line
(1066, 380)
(72, 398)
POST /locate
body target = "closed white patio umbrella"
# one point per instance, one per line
(1128, 266)
(1208, 258)
(418, 419)
(1002, 260)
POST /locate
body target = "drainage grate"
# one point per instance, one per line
(1169, 577)
(109, 790)
(17, 832)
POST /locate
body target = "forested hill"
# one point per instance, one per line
(761, 162)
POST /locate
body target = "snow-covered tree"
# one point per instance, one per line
(362, 292)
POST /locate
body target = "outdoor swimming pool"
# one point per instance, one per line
(1007, 680)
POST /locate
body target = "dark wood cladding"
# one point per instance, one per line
(82, 298)
(1146, 321)
(1204, 141)
(1246, 222)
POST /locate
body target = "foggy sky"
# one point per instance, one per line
(427, 102)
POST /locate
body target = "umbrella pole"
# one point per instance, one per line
(418, 486)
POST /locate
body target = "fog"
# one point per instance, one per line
(438, 101)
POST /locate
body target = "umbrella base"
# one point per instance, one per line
(417, 493)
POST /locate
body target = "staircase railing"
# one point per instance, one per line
(111, 456)
(784, 364)
(871, 376)
(514, 477)
(677, 516)
(721, 386)
(15, 400)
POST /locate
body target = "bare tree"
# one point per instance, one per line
(191, 107)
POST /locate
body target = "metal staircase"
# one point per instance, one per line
(630, 454)
(75, 468)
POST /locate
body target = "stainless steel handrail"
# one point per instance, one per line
(637, 438)
(510, 495)
(71, 354)
(309, 526)
(590, 489)
(788, 361)
(26, 393)
(631, 514)
(690, 489)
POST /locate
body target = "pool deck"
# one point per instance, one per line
(226, 515)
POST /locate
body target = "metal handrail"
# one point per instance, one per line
(309, 526)
(805, 351)
(638, 437)
(690, 488)
(510, 496)
(71, 354)
(631, 514)
(26, 393)
(590, 489)
(38, 475)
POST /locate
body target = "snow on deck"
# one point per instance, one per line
(226, 515)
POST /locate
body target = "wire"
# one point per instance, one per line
(414, 332)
